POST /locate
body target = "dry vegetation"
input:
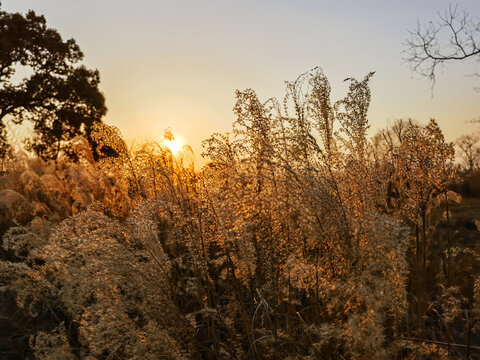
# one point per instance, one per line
(300, 239)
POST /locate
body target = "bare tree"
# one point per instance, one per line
(469, 146)
(453, 37)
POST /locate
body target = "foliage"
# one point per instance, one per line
(284, 246)
(60, 97)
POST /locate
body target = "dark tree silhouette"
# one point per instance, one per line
(60, 96)
(453, 37)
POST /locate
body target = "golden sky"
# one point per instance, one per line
(177, 63)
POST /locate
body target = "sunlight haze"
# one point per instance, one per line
(240, 180)
(177, 63)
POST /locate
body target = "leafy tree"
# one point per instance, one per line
(60, 96)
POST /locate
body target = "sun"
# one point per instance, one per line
(174, 145)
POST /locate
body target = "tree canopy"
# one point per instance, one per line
(59, 96)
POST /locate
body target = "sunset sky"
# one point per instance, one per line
(177, 63)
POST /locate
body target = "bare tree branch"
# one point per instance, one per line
(454, 36)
